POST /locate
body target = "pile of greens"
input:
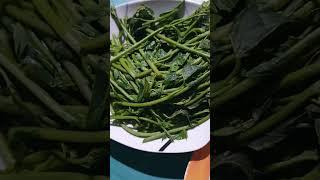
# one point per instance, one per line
(54, 89)
(160, 72)
(265, 89)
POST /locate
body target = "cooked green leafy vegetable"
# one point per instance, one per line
(160, 72)
(54, 89)
(265, 89)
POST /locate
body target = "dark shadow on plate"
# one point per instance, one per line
(154, 164)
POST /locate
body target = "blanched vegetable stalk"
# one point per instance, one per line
(160, 72)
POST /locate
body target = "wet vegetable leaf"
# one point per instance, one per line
(144, 91)
(277, 135)
(189, 70)
(182, 135)
(172, 79)
(252, 26)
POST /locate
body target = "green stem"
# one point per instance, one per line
(172, 131)
(286, 100)
(7, 105)
(118, 67)
(144, 73)
(60, 25)
(165, 98)
(297, 50)
(281, 115)
(150, 63)
(50, 164)
(228, 61)
(6, 156)
(314, 174)
(121, 90)
(50, 134)
(100, 42)
(138, 134)
(181, 46)
(170, 54)
(234, 92)
(306, 156)
(30, 19)
(222, 33)
(135, 87)
(277, 5)
(41, 94)
(50, 176)
(300, 75)
(80, 80)
(203, 93)
(35, 158)
(134, 47)
(126, 67)
(203, 85)
(134, 118)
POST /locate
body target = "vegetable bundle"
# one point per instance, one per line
(54, 89)
(160, 72)
(265, 89)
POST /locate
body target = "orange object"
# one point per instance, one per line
(199, 165)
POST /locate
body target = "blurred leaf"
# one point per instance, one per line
(277, 135)
(252, 26)
(226, 5)
(233, 166)
(317, 128)
(99, 103)
(21, 40)
(38, 74)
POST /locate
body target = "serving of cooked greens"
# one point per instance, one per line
(265, 89)
(160, 76)
(54, 89)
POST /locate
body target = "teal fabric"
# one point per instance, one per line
(127, 163)
(130, 164)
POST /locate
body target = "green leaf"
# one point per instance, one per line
(21, 40)
(38, 74)
(135, 23)
(182, 135)
(144, 91)
(178, 61)
(205, 44)
(252, 26)
(172, 80)
(168, 17)
(98, 104)
(189, 70)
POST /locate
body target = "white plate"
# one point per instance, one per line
(197, 137)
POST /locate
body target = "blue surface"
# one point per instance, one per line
(117, 2)
(127, 163)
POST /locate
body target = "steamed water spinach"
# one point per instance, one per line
(265, 89)
(160, 72)
(54, 89)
